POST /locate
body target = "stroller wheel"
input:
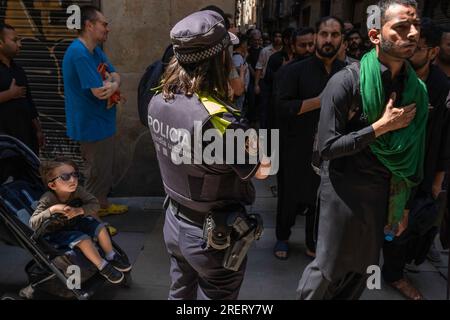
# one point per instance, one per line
(11, 296)
(127, 280)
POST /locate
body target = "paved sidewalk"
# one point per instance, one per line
(140, 234)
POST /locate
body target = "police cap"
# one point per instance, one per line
(200, 36)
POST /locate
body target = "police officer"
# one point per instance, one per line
(191, 106)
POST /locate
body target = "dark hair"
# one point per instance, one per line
(242, 39)
(444, 30)
(430, 32)
(326, 19)
(276, 32)
(350, 33)
(47, 168)
(88, 13)
(385, 4)
(301, 32)
(287, 33)
(219, 11)
(305, 31)
(4, 26)
(209, 76)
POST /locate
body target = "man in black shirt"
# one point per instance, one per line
(298, 45)
(355, 184)
(443, 59)
(298, 107)
(279, 58)
(18, 115)
(416, 240)
(355, 45)
(255, 43)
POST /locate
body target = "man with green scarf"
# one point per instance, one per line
(371, 141)
(424, 220)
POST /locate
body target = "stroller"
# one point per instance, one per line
(50, 271)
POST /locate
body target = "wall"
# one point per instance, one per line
(139, 35)
(315, 11)
(248, 13)
(41, 26)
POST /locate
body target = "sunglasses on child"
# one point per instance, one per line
(66, 176)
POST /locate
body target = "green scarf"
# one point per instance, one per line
(401, 151)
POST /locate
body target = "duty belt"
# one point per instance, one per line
(188, 215)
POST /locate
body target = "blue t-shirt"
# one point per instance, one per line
(87, 117)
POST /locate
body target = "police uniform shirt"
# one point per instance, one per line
(244, 163)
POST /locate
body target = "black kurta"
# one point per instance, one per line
(437, 147)
(354, 189)
(301, 81)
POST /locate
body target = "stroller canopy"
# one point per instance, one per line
(17, 161)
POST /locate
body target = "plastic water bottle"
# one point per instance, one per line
(390, 231)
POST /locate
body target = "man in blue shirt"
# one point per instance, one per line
(90, 111)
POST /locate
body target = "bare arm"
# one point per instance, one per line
(309, 105)
(116, 78)
(437, 184)
(5, 96)
(14, 92)
(258, 73)
(264, 169)
(111, 85)
(238, 86)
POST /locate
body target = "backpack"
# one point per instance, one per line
(146, 89)
(316, 160)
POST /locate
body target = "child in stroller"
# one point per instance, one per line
(51, 270)
(77, 226)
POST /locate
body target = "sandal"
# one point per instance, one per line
(405, 287)
(111, 230)
(112, 209)
(281, 246)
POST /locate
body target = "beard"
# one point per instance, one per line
(328, 54)
(444, 58)
(390, 48)
(417, 65)
(354, 46)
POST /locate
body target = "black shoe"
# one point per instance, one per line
(120, 263)
(111, 274)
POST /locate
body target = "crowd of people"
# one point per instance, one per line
(364, 143)
(298, 87)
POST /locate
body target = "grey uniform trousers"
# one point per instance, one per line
(196, 272)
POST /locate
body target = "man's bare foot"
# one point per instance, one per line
(405, 287)
(310, 253)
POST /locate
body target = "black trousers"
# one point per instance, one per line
(405, 249)
(287, 210)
